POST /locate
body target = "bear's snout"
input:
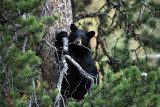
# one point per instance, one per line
(78, 41)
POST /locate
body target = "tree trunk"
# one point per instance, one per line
(50, 64)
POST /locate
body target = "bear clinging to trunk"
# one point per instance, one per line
(74, 84)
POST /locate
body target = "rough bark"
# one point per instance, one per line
(50, 63)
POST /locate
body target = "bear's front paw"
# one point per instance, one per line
(61, 35)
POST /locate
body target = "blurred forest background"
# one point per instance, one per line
(126, 50)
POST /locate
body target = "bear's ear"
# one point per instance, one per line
(90, 34)
(73, 27)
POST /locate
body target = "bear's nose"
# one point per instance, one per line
(78, 41)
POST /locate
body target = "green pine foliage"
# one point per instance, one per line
(133, 22)
(20, 21)
(127, 88)
(128, 36)
(46, 101)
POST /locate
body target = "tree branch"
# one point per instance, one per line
(24, 44)
(90, 15)
(99, 37)
(82, 72)
(62, 73)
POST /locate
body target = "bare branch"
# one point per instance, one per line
(44, 8)
(90, 15)
(3, 20)
(146, 5)
(34, 87)
(48, 10)
(24, 44)
(4, 68)
(84, 73)
(102, 7)
(100, 41)
(65, 44)
(63, 72)
(53, 48)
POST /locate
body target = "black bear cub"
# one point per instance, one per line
(74, 84)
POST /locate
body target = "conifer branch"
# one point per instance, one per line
(90, 15)
(100, 41)
(32, 80)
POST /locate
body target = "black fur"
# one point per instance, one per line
(75, 85)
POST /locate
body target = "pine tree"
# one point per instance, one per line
(126, 88)
(126, 31)
(29, 68)
(21, 27)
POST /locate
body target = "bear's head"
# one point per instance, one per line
(80, 37)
